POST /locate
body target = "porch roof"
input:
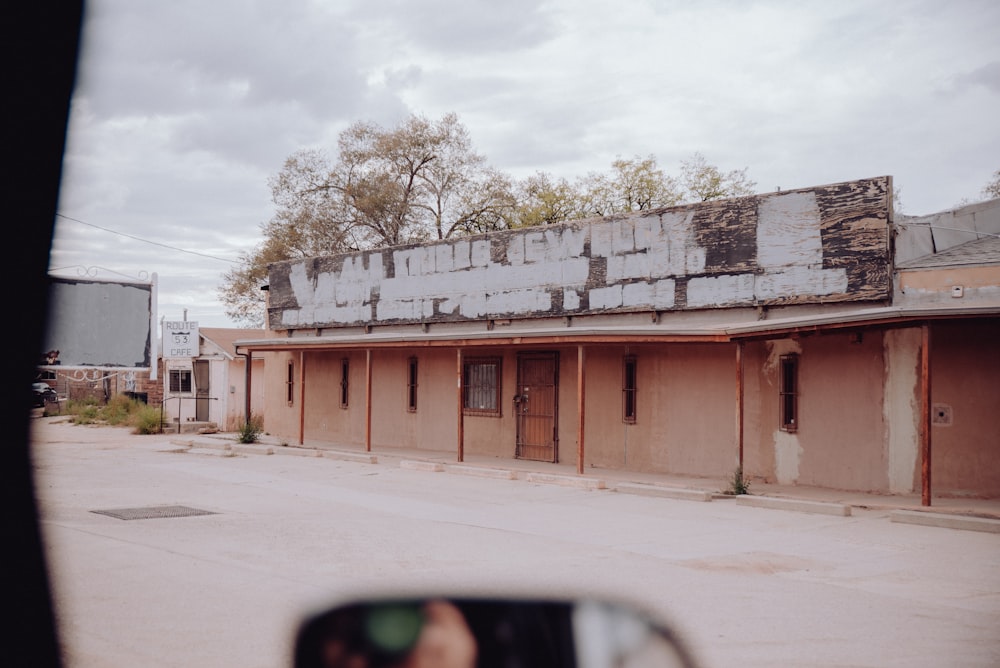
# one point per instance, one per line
(593, 333)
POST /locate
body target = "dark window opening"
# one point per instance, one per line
(789, 394)
(290, 383)
(629, 389)
(481, 387)
(180, 380)
(345, 373)
(411, 385)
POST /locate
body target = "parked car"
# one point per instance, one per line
(43, 394)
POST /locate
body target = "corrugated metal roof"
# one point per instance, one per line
(985, 251)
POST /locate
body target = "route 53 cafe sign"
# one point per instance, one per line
(180, 339)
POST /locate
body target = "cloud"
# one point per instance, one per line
(184, 109)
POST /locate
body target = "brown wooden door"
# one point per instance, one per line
(536, 405)
(202, 390)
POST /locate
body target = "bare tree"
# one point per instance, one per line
(423, 180)
(418, 181)
(992, 189)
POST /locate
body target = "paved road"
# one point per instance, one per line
(746, 586)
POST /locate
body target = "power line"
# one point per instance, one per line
(147, 241)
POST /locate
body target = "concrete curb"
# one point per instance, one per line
(252, 449)
(569, 481)
(481, 472)
(663, 491)
(358, 458)
(298, 452)
(796, 505)
(416, 465)
(175, 448)
(944, 520)
(224, 446)
(211, 452)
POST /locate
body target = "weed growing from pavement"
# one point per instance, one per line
(738, 484)
(251, 431)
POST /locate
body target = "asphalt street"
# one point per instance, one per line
(283, 534)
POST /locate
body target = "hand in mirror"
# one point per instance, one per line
(450, 632)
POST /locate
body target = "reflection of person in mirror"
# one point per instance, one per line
(445, 640)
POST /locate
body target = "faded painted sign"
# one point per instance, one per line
(99, 323)
(825, 244)
(180, 339)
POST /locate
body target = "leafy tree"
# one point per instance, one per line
(544, 200)
(632, 185)
(423, 180)
(701, 182)
(418, 181)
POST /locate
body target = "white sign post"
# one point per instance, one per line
(180, 339)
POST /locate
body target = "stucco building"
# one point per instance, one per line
(210, 387)
(811, 336)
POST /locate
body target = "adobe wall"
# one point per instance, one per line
(965, 396)
(281, 420)
(434, 424)
(841, 433)
(686, 408)
(858, 408)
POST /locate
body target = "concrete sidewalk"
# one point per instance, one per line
(957, 513)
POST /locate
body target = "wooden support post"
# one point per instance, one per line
(368, 400)
(739, 404)
(925, 415)
(581, 394)
(461, 407)
(302, 398)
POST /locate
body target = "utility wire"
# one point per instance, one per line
(147, 241)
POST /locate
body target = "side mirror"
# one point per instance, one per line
(449, 632)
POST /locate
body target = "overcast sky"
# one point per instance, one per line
(183, 109)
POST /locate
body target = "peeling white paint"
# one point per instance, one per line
(720, 290)
(787, 233)
(901, 410)
(787, 457)
(610, 297)
(775, 349)
(800, 281)
(790, 247)
(631, 263)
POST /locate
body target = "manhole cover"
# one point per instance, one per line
(152, 512)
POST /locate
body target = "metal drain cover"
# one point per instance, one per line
(152, 512)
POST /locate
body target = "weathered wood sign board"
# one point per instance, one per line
(823, 244)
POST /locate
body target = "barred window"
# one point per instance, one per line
(290, 383)
(629, 389)
(789, 392)
(411, 385)
(481, 383)
(345, 375)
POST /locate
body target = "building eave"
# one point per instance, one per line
(887, 316)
